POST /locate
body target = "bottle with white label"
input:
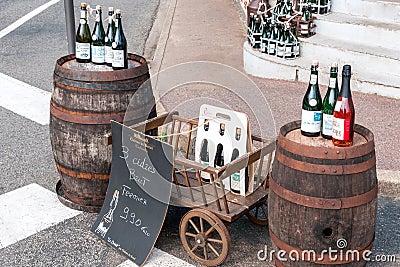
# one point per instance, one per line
(272, 40)
(328, 104)
(83, 38)
(344, 114)
(235, 178)
(119, 46)
(98, 39)
(109, 39)
(311, 113)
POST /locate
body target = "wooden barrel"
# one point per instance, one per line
(322, 197)
(85, 98)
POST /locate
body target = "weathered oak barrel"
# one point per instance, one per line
(85, 98)
(322, 198)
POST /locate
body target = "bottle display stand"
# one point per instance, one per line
(304, 29)
(321, 9)
(212, 206)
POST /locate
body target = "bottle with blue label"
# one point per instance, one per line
(311, 114)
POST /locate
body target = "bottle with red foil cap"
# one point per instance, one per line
(344, 114)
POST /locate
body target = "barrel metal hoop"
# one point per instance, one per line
(101, 76)
(80, 89)
(323, 203)
(131, 115)
(82, 175)
(325, 169)
(325, 257)
(326, 152)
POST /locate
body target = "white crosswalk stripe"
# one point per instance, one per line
(25, 100)
(29, 210)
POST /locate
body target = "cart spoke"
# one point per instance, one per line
(215, 240)
(201, 225)
(213, 249)
(256, 212)
(194, 226)
(264, 211)
(195, 247)
(205, 253)
(210, 230)
(190, 234)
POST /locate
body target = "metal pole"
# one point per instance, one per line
(70, 23)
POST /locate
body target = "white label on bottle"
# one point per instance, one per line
(116, 23)
(110, 19)
(114, 45)
(313, 79)
(338, 128)
(82, 21)
(82, 50)
(271, 48)
(310, 121)
(297, 50)
(338, 105)
(235, 181)
(332, 82)
(83, 14)
(109, 55)
(327, 124)
(313, 102)
(304, 26)
(288, 50)
(98, 54)
(94, 37)
(280, 51)
(118, 58)
(263, 47)
(106, 39)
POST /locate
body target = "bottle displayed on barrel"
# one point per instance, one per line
(312, 106)
(83, 38)
(98, 39)
(264, 38)
(272, 41)
(205, 160)
(344, 113)
(109, 39)
(280, 47)
(119, 46)
(328, 104)
(250, 27)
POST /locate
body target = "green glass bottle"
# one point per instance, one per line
(312, 106)
(83, 38)
(328, 105)
(257, 33)
(109, 39)
(205, 160)
(119, 46)
(235, 178)
(280, 48)
(250, 27)
(98, 39)
(272, 39)
(264, 38)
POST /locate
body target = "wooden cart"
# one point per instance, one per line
(203, 230)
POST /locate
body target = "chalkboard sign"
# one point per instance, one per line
(138, 193)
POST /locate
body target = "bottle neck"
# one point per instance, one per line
(118, 21)
(314, 75)
(98, 16)
(345, 91)
(110, 18)
(334, 72)
(83, 14)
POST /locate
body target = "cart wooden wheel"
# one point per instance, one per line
(259, 214)
(204, 237)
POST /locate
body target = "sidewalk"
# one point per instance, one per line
(214, 31)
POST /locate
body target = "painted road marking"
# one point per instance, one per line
(159, 258)
(29, 210)
(24, 99)
(27, 17)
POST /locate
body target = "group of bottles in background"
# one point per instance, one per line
(273, 37)
(101, 47)
(316, 6)
(334, 116)
(219, 160)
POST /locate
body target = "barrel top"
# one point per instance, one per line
(291, 139)
(67, 67)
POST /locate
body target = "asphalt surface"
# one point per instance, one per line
(29, 54)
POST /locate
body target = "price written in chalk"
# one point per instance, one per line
(130, 217)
